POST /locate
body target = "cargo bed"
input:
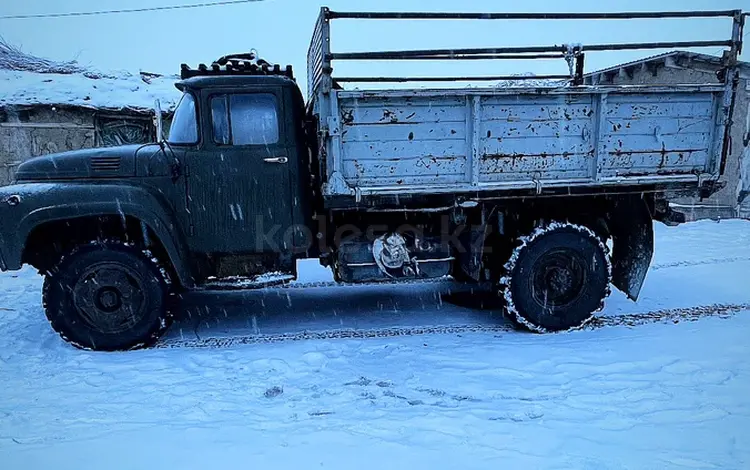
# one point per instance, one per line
(458, 141)
(478, 140)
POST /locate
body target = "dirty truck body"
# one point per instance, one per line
(484, 140)
(517, 189)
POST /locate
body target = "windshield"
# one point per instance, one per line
(184, 129)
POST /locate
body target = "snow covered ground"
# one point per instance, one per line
(671, 394)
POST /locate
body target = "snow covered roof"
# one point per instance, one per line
(29, 80)
(120, 92)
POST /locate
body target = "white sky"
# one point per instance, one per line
(280, 30)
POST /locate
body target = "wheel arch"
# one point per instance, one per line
(626, 219)
(128, 205)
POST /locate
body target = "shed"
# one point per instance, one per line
(690, 67)
(48, 107)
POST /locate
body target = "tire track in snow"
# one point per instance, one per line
(700, 262)
(655, 316)
(331, 334)
(673, 315)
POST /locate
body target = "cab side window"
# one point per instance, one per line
(245, 119)
(220, 120)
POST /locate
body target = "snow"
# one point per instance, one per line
(123, 90)
(530, 82)
(669, 394)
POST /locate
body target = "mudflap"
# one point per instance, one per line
(632, 245)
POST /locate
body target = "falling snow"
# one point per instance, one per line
(661, 383)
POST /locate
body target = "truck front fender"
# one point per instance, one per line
(34, 204)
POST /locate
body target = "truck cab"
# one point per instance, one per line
(241, 144)
(118, 232)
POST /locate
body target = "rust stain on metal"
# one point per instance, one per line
(658, 172)
(513, 156)
(434, 158)
(358, 168)
(389, 123)
(389, 116)
(663, 155)
(637, 152)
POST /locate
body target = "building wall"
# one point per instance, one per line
(27, 132)
(724, 203)
(744, 187)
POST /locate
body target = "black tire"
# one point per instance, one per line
(557, 278)
(108, 296)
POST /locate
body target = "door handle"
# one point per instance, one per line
(276, 160)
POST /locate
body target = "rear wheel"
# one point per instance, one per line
(557, 278)
(107, 296)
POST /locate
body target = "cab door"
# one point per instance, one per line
(238, 186)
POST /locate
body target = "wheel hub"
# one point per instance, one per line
(559, 278)
(109, 297)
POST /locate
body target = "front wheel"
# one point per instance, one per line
(107, 296)
(557, 278)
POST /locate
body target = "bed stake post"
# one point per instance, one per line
(578, 77)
